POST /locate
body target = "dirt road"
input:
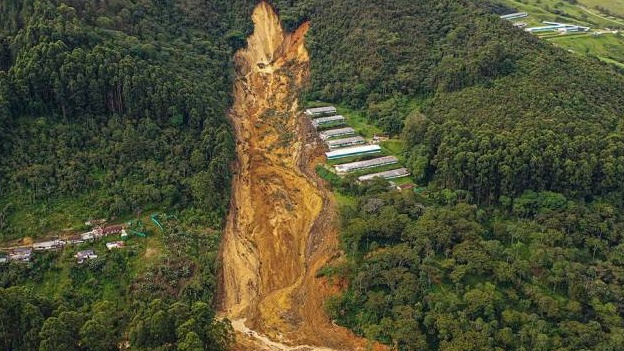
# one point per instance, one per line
(282, 223)
(600, 16)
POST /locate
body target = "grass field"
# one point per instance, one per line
(357, 121)
(596, 14)
(395, 147)
(614, 7)
(555, 11)
(607, 47)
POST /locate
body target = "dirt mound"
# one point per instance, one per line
(281, 227)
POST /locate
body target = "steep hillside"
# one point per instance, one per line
(515, 241)
(110, 110)
(279, 231)
(501, 111)
(106, 113)
(605, 19)
(116, 108)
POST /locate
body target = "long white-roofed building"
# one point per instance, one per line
(359, 165)
(332, 133)
(320, 111)
(353, 151)
(328, 121)
(392, 174)
(338, 143)
(513, 16)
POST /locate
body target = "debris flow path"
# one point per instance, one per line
(282, 224)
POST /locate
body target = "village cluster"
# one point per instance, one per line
(343, 143)
(25, 253)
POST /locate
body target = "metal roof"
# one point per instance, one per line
(345, 142)
(395, 173)
(320, 110)
(325, 120)
(354, 166)
(355, 150)
(86, 252)
(326, 134)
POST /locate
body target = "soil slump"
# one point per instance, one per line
(281, 226)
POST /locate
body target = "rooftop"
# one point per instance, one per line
(395, 173)
(324, 120)
(114, 245)
(326, 134)
(355, 150)
(85, 252)
(352, 166)
(320, 110)
(346, 141)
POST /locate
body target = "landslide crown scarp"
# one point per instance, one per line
(274, 204)
(280, 231)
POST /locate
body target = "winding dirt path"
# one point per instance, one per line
(600, 16)
(282, 223)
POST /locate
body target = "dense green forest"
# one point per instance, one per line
(150, 303)
(516, 244)
(441, 273)
(116, 107)
(501, 111)
(108, 109)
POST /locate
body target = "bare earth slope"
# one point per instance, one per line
(281, 225)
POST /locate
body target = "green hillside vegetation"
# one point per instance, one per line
(444, 274)
(112, 108)
(608, 47)
(506, 112)
(112, 113)
(517, 244)
(108, 109)
(610, 7)
(598, 15)
(157, 293)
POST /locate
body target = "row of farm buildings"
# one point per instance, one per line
(343, 142)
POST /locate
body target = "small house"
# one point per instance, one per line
(85, 255)
(112, 229)
(21, 254)
(328, 121)
(345, 142)
(513, 16)
(360, 165)
(115, 245)
(89, 235)
(408, 186)
(75, 239)
(391, 174)
(330, 133)
(353, 151)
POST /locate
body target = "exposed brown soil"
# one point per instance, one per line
(282, 223)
